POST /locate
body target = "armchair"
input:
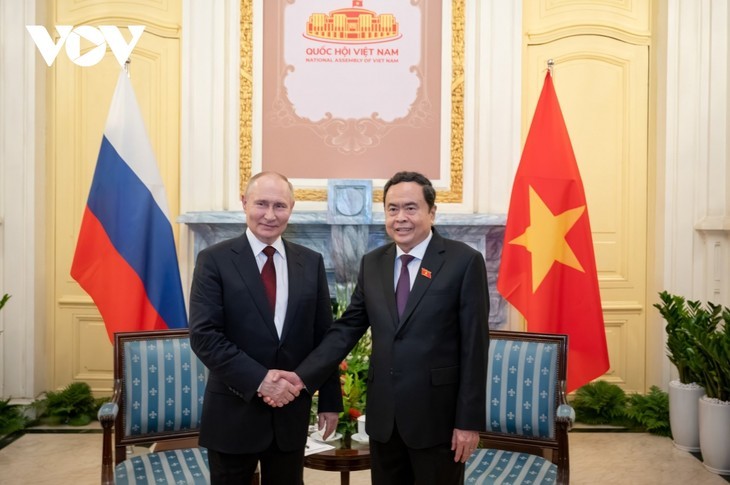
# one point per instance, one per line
(158, 395)
(528, 417)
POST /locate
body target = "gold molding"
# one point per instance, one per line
(455, 192)
(246, 93)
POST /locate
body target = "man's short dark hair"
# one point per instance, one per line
(429, 193)
(262, 174)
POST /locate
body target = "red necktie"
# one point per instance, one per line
(403, 288)
(268, 276)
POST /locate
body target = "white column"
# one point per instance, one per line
(693, 127)
(22, 196)
(210, 105)
(498, 95)
(210, 114)
(713, 225)
(696, 219)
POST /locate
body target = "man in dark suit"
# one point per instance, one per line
(427, 377)
(253, 309)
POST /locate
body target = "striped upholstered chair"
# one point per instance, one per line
(527, 415)
(158, 395)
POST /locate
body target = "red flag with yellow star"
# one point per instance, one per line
(548, 269)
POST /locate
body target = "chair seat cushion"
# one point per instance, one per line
(508, 468)
(185, 466)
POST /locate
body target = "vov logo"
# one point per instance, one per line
(98, 36)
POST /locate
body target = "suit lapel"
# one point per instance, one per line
(387, 268)
(294, 267)
(433, 259)
(245, 263)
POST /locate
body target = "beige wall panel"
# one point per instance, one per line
(625, 352)
(79, 102)
(91, 363)
(601, 84)
(82, 351)
(546, 20)
(616, 330)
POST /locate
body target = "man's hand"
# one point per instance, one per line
(277, 391)
(327, 424)
(288, 382)
(463, 443)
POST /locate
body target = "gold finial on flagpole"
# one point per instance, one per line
(550, 65)
(126, 67)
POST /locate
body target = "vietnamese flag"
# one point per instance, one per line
(548, 269)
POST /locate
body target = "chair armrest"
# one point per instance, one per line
(107, 416)
(564, 418)
(566, 414)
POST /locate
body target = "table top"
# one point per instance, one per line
(352, 459)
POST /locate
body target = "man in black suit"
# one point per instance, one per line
(243, 323)
(427, 377)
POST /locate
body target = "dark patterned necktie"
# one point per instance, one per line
(403, 288)
(268, 276)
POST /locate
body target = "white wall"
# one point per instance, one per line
(692, 164)
(696, 219)
(22, 203)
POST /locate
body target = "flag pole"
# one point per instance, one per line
(550, 65)
(126, 67)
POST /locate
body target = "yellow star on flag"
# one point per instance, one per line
(544, 238)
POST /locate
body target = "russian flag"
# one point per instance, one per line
(125, 257)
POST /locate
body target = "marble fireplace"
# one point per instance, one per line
(349, 229)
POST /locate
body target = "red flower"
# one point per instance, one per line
(343, 365)
(354, 413)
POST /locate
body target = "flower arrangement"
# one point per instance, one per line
(353, 375)
(353, 379)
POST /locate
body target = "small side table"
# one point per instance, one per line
(343, 460)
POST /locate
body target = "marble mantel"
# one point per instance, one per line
(342, 245)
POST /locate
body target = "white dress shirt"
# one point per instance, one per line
(417, 252)
(282, 275)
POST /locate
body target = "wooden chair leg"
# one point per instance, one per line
(256, 480)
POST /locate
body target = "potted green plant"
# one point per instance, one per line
(682, 316)
(712, 365)
(74, 405)
(600, 403)
(650, 411)
(12, 418)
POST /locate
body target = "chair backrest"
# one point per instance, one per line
(526, 380)
(162, 383)
(525, 370)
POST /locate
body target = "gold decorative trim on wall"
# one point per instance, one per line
(246, 93)
(455, 192)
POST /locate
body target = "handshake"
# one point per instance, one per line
(280, 387)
